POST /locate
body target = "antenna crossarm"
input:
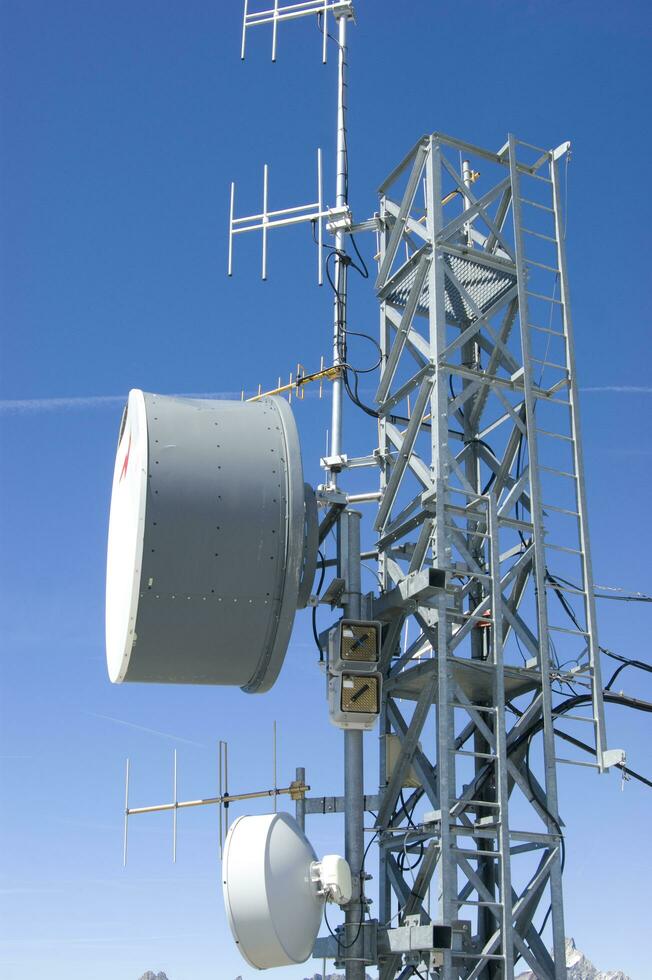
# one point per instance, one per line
(286, 216)
(293, 10)
(295, 790)
(327, 374)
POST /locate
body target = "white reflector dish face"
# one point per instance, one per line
(273, 906)
(126, 523)
(209, 554)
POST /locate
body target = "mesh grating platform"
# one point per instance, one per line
(484, 285)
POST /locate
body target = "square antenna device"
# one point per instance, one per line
(354, 645)
(354, 699)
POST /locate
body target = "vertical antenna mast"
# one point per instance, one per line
(341, 202)
(348, 538)
(339, 218)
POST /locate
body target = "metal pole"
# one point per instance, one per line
(353, 766)
(486, 865)
(275, 781)
(300, 805)
(467, 177)
(341, 200)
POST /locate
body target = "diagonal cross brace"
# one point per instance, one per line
(403, 329)
(477, 208)
(408, 746)
(401, 218)
(409, 439)
(425, 771)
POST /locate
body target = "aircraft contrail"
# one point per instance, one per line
(142, 728)
(19, 406)
(621, 389)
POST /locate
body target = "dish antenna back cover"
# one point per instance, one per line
(272, 899)
(211, 541)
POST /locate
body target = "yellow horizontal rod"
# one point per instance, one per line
(227, 798)
(330, 373)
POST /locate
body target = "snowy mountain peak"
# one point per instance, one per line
(580, 968)
(573, 955)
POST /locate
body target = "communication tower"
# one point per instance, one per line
(481, 638)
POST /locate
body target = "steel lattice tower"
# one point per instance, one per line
(482, 482)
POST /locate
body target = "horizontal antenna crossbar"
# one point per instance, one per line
(292, 11)
(292, 790)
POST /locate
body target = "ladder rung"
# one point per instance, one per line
(558, 385)
(560, 510)
(539, 234)
(535, 204)
(479, 803)
(472, 616)
(524, 169)
(551, 469)
(471, 901)
(561, 547)
(555, 435)
(470, 852)
(477, 755)
(469, 573)
(477, 956)
(546, 299)
(541, 265)
(542, 393)
(555, 333)
(578, 762)
(468, 531)
(539, 360)
(563, 588)
(531, 146)
(565, 629)
(573, 717)
(476, 707)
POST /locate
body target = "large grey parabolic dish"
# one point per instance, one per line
(207, 541)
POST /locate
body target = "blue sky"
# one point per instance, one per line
(122, 126)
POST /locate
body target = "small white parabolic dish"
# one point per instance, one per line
(273, 904)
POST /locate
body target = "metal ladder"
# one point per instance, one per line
(488, 830)
(543, 289)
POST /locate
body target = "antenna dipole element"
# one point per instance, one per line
(174, 812)
(266, 219)
(274, 15)
(126, 826)
(223, 789)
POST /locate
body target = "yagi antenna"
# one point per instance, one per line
(267, 219)
(296, 791)
(274, 15)
(339, 218)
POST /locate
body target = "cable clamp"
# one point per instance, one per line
(613, 757)
(339, 219)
